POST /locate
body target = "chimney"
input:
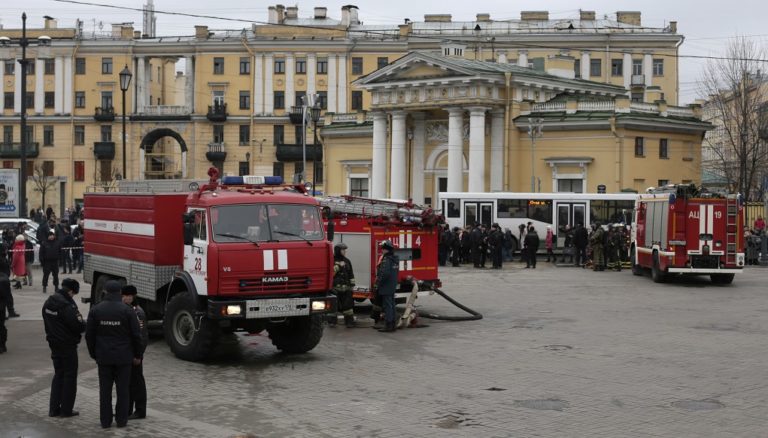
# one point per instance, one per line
(321, 13)
(587, 15)
(349, 15)
(292, 12)
(117, 30)
(483, 17)
(50, 23)
(673, 26)
(272, 15)
(628, 17)
(353, 18)
(276, 14)
(437, 18)
(534, 15)
(201, 32)
(136, 34)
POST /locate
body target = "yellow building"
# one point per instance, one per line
(231, 104)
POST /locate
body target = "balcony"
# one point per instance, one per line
(294, 152)
(217, 112)
(638, 80)
(162, 112)
(216, 153)
(104, 150)
(13, 150)
(104, 114)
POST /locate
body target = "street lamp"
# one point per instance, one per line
(23, 145)
(125, 81)
(248, 160)
(534, 131)
(307, 101)
(315, 115)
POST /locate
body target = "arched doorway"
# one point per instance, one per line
(437, 166)
(159, 158)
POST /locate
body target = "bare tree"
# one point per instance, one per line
(109, 185)
(737, 93)
(43, 183)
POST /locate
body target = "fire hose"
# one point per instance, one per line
(474, 315)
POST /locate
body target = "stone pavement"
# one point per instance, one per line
(559, 352)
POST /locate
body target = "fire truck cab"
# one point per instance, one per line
(682, 229)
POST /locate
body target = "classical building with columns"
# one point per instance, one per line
(226, 97)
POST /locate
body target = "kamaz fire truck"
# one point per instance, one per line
(363, 224)
(249, 253)
(681, 229)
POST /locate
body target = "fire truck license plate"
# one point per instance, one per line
(277, 307)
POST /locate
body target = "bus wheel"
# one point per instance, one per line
(722, 278)
(636, 269)
(656, 275)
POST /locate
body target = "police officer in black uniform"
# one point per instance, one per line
(5, 298)
(114, 341)
(63, 328)
(137, 400)
(386, 284)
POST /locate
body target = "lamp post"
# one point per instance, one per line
(23, 144)
(248, 160)
(315, 114)
(307, 101)
(534, 131)
(125, 81)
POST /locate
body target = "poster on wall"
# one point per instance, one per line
(9, 190)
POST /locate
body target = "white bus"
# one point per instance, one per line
(510, 210)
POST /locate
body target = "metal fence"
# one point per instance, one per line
(751, 212)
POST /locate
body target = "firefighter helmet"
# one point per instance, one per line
(387, 244)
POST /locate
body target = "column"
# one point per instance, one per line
(332, 83)
(148, 84)
(342, 102)
(290, 94)
(585, 67)
(648, 69)
(2, 86)
(39, 82)
(311, 71)
(455, 149)
(522, 61)
(398, 178)
(477, 149)
(627, 69)
(142, 163)
(17, 89)
(141, 101)
(189, 85)
(68, 98)
(497, 150)
(417, 157)
(58, 85)
(379, 156)
(269, 90)
(258, 84)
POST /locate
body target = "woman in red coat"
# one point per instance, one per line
(19, 263)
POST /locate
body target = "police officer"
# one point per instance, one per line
(114, 341)
(5, 297)
(50, 250)
(63, 328)
(137, 400)
(343, 282)
(386, 283)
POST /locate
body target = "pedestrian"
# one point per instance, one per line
(386, 283)
(67, 243)
(496, 244)
(29, 259)
(549, 244)
(596, 243)
(343, 283)
(5, 298)
(568, 249)
(580, 241)
(456, 247)
(114, 341)
(19, 260)
(64, 326)
(50, 250)
(77, 252)
(49, 212)
(442, 245)
(137, 399)
(531, 247)
(759, 225)
(476, 240)
(5, 270)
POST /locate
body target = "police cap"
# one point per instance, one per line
(112, 286)
(129, 289)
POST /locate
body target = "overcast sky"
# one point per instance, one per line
(707, 25)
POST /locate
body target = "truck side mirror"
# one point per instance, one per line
(188, 233)
(330, 230)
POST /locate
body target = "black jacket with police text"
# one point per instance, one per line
(63, 322)
(112, 334)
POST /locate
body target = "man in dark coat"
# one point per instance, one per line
(63, 328)
(137, 399)
(386, 283)
(496, 243)
(50, 250)
(456, 247)
(5, 296)
(580, 241)
(531, 247)
(476, 240)
(114, 341)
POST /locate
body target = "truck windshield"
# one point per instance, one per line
(266, 222)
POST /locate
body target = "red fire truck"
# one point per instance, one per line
(213, 258)
(680, 229)
(364, 223)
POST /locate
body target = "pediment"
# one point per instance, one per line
(414, 67)
(422, 70)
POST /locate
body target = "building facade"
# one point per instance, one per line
(225, 98)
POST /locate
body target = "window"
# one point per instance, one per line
(8, 98)
(577, 68)
(318, 172)
(79, 99)
(218, 134)
(245, 135)
(49, 99)
(301, 66)
(637, 66)
(279, 99)
(299, 134)
(658, 67)
(299, 99)
(279, 66)
(266, 222)
(10, 66)
(218, 66)
(595, 67)
(245, 100)
(663, 148)
(30, 66)
(79, 66)
(218, 98)
(322, 99)
(7, 164)
(278, 168)
(278, 135)
(50, 66)
(637, 97)
(242, 168)
(452, 208)
(535, 209)
(617, 67)
(7, 134)
(30, 134)
(536, 63)
(106, 132)
(663, 182)
(382, 61)
(48, 135)
(570, 185)
(30, 99)
(47, 168)
(357, 100)
(199, 227)
(105, 170)
(322, 66)
(357, 66)
(245, 66)
(358, 187)
(106, 66)
(79, 135)
(79, 170)
(639, 147)
(106, 99)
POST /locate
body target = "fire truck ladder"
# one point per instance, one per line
(373, 208)
(731, 233)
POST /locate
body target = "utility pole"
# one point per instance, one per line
(534, 131)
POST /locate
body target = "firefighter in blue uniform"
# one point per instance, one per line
(386, 284)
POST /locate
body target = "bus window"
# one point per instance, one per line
(511, 208)
(453, 208)
(540, 210)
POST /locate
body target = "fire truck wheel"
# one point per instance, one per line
(636, 269)
(179, 329)
(722, 278)
(656, 275)
(297, 335)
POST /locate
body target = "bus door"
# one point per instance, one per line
(568, 213)
(478, 212)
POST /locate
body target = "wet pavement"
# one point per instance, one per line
(560, 352)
